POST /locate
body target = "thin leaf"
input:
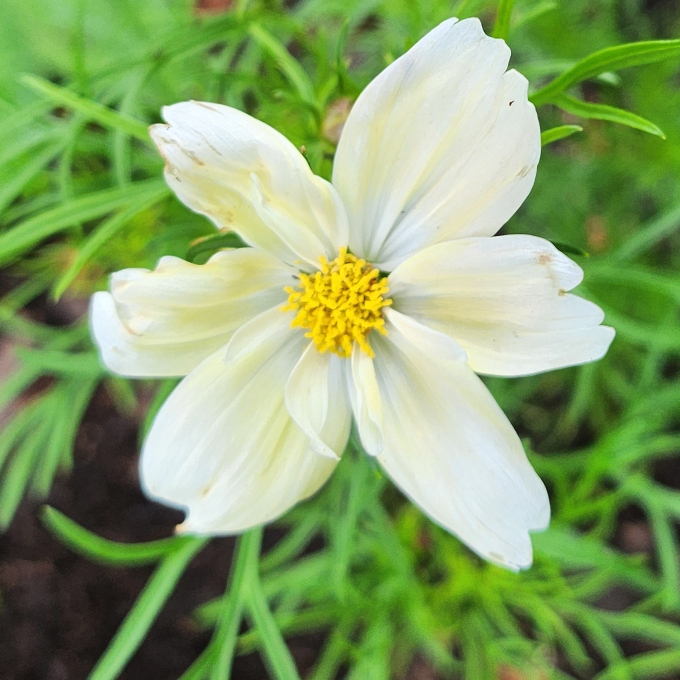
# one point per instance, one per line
(138, 621)
(88, 108)
(29, 233)
(73, 400)
(648, 236)
(276, 652)
(226, 633)
(290, 67)
(104, 233)
(603, 112)
(23, 463)
(9, 190)
(56, 362)
(501, 28)
(102, 550)
(608, 59)
(211, 244)
(557, 133)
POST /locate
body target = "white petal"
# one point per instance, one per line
(315, 393)
(211, 153)
(165, 322)
(451, 449)
(224, 446)
(366, 401)
(442, 144)
(504, 301)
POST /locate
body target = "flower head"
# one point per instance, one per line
(375, 298)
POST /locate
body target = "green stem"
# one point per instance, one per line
(277, 654)
(244, 569)
(139, 620)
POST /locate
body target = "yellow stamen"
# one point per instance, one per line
(340, 304)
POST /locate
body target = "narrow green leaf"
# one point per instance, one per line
(647, 236)
(290, 67)
(667, 551)
(102, 550)
(27, 234)
(73, 398)
(608, 59)
(211, 244)
(292, 623)
(36, 162)
(88, 108)
(557, 133)
(24, 460)
(657, 665)
(536, 11)
(501, 28)
(292, 544)
(603, 112)
(54, 361)
(641, 627)
(138, 621)
(276, 652)
(104, 233)
(245, 566)
(569, 249)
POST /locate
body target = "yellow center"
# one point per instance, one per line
(340, 304)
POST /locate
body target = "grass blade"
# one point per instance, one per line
(608, 59)
(139, 619)
(603, 112)
(102, 234)
(88, 108)
(102, 550)
(29, 233)
(557, 133)
(501, 28)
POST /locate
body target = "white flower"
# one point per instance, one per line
(438, 153)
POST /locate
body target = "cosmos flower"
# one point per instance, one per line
(375, 299)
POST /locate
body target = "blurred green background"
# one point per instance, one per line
(378, 591)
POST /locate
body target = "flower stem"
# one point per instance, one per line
(244, 569)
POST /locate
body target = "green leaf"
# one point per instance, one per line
(276, 652)
(290, 67)
(570, 250)
(104, 233)
(501, 28)
(36, 162)
(557, 133)
(88, 108)
(647, 236)
(56, 362)
(608, 59)
(30, 438)
(102, 550)
(657, 665)
(29, 233)
(226, 632)
(74, 397)
(138, 621)
(603, 112)
(211, 244)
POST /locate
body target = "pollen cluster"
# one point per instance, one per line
(340, 304)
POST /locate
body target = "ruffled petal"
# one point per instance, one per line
(504, 300)
(315, 396)
(224, 447)
(443, 144)
(452, 451)
(166, 321)
(246, 176)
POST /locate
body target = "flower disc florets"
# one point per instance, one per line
(340, 304)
